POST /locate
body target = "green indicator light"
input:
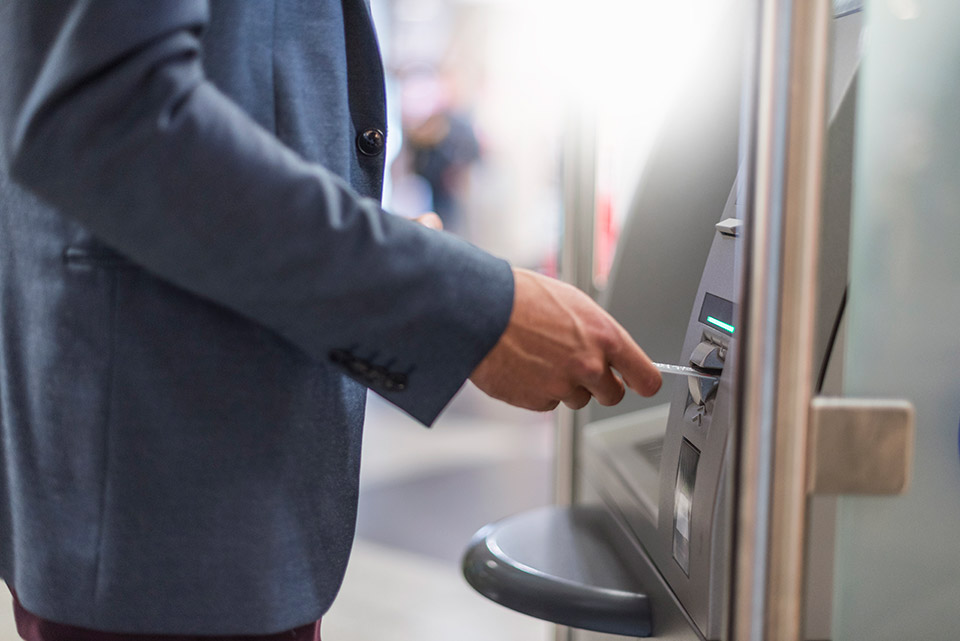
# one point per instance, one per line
(719, 323)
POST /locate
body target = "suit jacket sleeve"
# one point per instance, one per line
(121, 130)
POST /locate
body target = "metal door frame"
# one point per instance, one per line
(785, 149)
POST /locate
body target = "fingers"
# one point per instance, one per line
(578, 399)
(608, 389)
(560, 346)
(430, 220)
(635, 366)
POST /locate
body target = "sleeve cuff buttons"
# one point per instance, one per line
(373, 376)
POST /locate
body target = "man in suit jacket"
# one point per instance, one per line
(198, 285)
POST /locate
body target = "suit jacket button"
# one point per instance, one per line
(398, 382)
(371, 142)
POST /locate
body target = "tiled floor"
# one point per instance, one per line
(424, 492)
(8, 632)
(391, 595)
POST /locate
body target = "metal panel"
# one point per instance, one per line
(860, 446)
(776, 361)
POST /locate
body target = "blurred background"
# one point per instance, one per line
(484, 97)
(488, 101)
(505, 116)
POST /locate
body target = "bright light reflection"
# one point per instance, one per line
(603, 52)
(618, 63)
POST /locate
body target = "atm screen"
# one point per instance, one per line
(717, 313)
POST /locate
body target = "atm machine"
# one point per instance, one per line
(643, 552)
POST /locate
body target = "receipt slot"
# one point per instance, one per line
(644, 552)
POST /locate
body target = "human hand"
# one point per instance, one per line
(560, 346)
(430, 220)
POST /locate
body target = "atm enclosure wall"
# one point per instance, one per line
(632, 455)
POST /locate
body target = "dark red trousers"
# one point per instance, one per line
(33, 628)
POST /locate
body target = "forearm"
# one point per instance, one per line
(140, 148)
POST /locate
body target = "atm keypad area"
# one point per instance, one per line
(644, 555)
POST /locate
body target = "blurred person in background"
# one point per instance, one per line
(441, 143)
(197, 288)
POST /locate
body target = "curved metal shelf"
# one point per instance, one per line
(556, 564)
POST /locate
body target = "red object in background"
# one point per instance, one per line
(549, 266)
(605, 235)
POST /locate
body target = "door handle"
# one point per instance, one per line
(859, 446)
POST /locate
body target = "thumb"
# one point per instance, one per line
(638, 371)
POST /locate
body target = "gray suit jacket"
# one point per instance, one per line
(197, 285)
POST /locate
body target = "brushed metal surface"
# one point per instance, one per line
(860, 446)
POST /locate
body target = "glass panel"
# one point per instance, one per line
(898, 558)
